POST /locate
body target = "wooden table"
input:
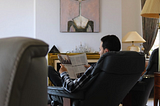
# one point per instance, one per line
(156, 88)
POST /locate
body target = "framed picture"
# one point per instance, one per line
(79, 16)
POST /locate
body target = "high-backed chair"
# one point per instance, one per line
(112, 78)
(23, 72)
(153, 63)
(139, 94)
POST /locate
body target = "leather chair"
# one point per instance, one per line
(112, 78)
(23, 72)
(153, 62)
(139, 94)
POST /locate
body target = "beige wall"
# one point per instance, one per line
(131, 19)
(48, 24)
(41, 19)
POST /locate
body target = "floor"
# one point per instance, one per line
(149, 103)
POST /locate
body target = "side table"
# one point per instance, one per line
(156, 88)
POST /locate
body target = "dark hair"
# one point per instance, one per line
(111, 42)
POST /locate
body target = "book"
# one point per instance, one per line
(74, 64)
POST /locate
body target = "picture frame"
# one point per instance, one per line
(79, 16)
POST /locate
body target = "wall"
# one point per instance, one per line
(48, 25)
(41, 19)
(131, 19)
(16, 18)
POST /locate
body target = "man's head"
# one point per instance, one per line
(109, 43)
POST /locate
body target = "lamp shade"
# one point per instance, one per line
(151, 9)
(133, 36)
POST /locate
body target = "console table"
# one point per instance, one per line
(53, 59)
(156, 88)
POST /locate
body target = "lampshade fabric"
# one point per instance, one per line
(151, 9)
(133, 36)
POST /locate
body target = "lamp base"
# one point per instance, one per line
(133, 48)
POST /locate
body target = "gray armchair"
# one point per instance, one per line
(23, 72)
(112, 78)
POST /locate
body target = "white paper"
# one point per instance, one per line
(74, 64)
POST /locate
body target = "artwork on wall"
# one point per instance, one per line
(79, 16)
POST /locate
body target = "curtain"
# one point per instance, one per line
(150, 29)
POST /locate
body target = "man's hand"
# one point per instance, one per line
(62, 69)
(87, 66)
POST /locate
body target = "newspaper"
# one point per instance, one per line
(74, 64)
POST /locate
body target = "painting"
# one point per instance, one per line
(79, 16)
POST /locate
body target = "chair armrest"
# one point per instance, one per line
(140, 86)
(59, 91)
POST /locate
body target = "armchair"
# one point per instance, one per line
(139, 94)
(112, 78)
(23, 72)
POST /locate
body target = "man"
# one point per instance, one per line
(108, 43)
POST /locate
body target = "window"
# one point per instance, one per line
(156, 43)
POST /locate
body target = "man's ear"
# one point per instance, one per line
(106, 50)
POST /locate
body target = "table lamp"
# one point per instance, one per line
(133, 37)
(151, 9)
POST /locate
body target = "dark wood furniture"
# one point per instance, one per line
(156, 88)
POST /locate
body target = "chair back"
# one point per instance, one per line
(139, 94)
(23, 72)
(153, 62)
(116, 73)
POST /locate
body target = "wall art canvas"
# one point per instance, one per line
(79, 16)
